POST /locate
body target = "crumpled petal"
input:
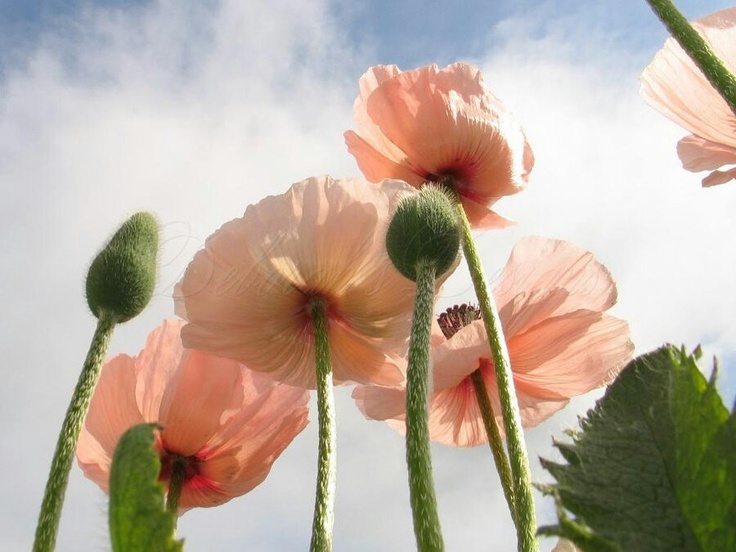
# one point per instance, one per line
(114, 403)
(455, 418)
(229, 423)
(564, 545)
(698, 154)
(545, 278)
(561, 344)
(246, 294)
(113, 410)
(380, 403)
(719, 177)
(429, 123)
(675, 87)
(458, 357)
(155, 365)
(567, 356)
(376, 166)
(197, 396)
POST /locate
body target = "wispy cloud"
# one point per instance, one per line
(194, 111)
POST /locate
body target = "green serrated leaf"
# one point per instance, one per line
(655, 466)
(139, 521)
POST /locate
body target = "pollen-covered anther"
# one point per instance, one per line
(457, 317)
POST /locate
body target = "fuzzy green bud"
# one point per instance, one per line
(424, 229)
(122, 277)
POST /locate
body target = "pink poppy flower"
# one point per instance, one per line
(429, 124)
(675, 87)
(246, 294)
(565, 546)
(229, 423)
(551, 296)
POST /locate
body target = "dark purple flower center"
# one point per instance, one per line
(186, 466)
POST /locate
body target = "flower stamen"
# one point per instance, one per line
(457, 317)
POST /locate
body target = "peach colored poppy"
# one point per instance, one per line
(246, 294)
(565, 546)
(675, 87)
(551, 296)
(428, 124)
(228, 422)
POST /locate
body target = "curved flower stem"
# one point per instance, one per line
(326, 468)
(526, 517)
(176, 483)
(495, 442)
(53, 498)
(419, 461)
(698, 49)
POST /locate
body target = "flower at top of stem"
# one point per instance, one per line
(552, 297)
(246, 295)
(432, 124)
(674, 86)
(223, 424)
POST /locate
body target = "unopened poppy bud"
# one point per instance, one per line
(424, 229)
(122, 277)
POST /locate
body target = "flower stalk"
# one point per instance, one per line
(496, 443)
(519, 461)
(323, 521)
(698, 49)
(176, 484)
(120, 283)
(53, 499)
(422, 241)
(419, 462)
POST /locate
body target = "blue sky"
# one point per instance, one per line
(410, 32)
(195, 110)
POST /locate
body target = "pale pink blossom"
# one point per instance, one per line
(430, 124)
(229, 424)
(565, 546)
(247, 294)
(552, 297)
(675, 87)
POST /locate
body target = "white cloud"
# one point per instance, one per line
(195, 113)
(607, 178)
(192, 114)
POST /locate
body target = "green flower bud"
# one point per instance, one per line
(424, 229)
(122, 277)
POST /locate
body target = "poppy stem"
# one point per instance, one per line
(419, 461)
(698, 49)
(53, 498)
(496, 443)
(525, 515)
(326, 465)
(176, 483)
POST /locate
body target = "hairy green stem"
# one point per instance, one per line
(176, 483)
(495, 442)
(326, 467)
(419, 461)
(698, 49)
(526, 517)
(53, 498)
